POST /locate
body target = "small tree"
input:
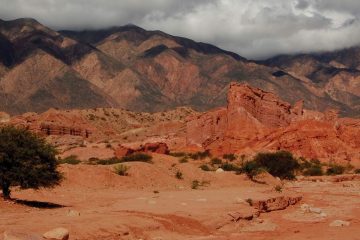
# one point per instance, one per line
(26, 160)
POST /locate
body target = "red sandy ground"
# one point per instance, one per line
(116, 207)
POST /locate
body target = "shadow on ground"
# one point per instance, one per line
(38, 204)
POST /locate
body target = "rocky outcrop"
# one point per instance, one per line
(276, 203)
(157, 147)
(266, 107)
(55, 122)
(256, 120)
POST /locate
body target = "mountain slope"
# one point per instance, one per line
(129, 67)
(336, 74)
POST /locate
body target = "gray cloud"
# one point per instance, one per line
(252, 28)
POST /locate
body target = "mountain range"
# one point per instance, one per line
(131, 68)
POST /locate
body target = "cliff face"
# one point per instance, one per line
(256, 120)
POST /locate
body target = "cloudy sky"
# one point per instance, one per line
(255, 29)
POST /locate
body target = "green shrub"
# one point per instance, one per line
(205, 167)
(178, 154)
(121, 169)
(72, 159)
(179, 175)
(229, 167)
(183, 160)
(252, 168)
(280, 164)
(216, 161)
(311, 168)
(335, 169)
(231, 157)
(195, 184)
(137, 157)
(110, 161)
(249, 201)
(200, 155)
(278, 188)
(314, 170)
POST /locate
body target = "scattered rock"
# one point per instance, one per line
(57, 234)
(277, 203)
(219, 170)
(245, 214)
(339, 223)
(73, 213)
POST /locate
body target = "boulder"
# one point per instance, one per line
(122, 151)
(57, 234)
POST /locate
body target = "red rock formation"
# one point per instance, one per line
(55, 122)
(255, 121)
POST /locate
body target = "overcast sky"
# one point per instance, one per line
(253, 28)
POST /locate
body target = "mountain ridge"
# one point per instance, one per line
(139, 70)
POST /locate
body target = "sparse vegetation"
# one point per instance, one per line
(357, 171)
(121, 169)
(26, 160)
(228, 167)
(72, 159)
(280, 164)
(205, 167)
(200, 155)
(335, 169)
(249, 201)
(231, 157)
(179, 175)
(110, 161)
(183, 160)
(278, 188)
(137, 157)
(216, 161)
(311, 168)
(195, 184)
(178, 154)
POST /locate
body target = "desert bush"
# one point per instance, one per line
(280, 164)
(121, 169)
(200, 155)
(205, 167)
(183, 160)
(278, 188)
(137, 157)
(109, 161)
(231, 157)
(229, 167)
(335, 169)
(249, 201)
(357, 171)
(216, 161)
(72, 159)
(178, 154)
(195, 184)
(179, 175)
(26, 160)
(311, 168)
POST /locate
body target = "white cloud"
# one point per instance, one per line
(252, 28)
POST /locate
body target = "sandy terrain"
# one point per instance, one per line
(151, 203)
